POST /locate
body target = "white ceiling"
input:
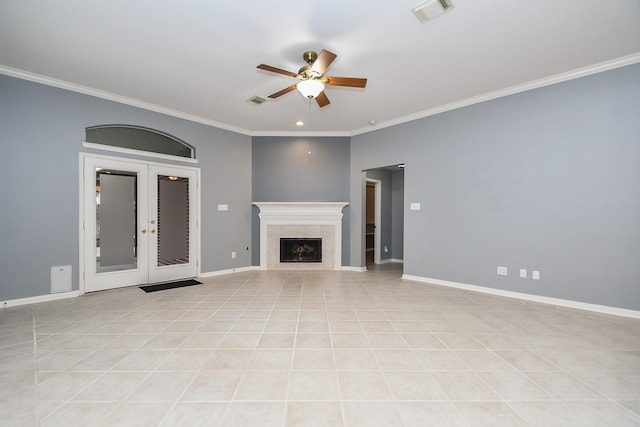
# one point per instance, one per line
(198, 58)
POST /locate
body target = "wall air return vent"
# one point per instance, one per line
(430, 9)
(256, 100)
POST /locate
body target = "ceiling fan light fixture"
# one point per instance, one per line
(312, 80)
(431, 9)
(310, 88)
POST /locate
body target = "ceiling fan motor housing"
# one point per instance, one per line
(307, 72)
(310, 57)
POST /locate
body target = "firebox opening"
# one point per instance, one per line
(295, 249)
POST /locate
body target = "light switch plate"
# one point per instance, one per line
(415, 206)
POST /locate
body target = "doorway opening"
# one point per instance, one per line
(372, 221)
(383, 221)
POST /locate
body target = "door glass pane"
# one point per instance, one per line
(116, 220)
(173, 220)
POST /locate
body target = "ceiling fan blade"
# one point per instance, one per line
(322, 99)
(277, 70)
(324, 60)
(344, 81)
(283, 91)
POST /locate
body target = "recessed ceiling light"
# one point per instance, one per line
(299, 123)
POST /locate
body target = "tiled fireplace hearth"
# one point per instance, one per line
(280, 220)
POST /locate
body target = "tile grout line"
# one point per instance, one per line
(293, 350)
(35, 367)
(231, 400)
(335, 360)
(200, 370)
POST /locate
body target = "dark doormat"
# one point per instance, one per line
(170, 285)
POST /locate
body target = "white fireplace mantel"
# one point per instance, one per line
(301, 213)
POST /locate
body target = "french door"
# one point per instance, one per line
(139, 223)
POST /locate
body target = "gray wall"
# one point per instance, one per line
(544, 180)
(284, 171)
(41, 134)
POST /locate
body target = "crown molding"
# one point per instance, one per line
(61, 84)
(303, 134)
(535, 84)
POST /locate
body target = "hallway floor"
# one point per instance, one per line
(315, 349)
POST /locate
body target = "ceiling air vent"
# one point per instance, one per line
(256, 100)
(430, 9)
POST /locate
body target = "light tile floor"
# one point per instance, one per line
(315, 349)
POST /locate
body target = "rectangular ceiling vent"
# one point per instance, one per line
(256, 100)
(430, 9)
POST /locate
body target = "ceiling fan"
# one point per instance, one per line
(312, 78)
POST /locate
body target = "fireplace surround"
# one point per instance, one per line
(300, 220)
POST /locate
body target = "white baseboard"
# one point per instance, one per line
(229, 271)
(529, 297)
(40, 298)
(353, 268)
(389, 261)
(257, 268)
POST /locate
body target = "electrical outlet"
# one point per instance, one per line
(523, 273)
(502, 271)
(535, 275)
(233, 254)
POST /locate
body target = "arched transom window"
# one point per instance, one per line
(140, 139)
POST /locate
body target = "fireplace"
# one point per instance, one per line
(301, 220)
(300, 249)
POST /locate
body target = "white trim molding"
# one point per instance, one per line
(40, 298)
(228, 271)
(526, 86)
(301, 213)
(545, 81)
(529, 297)
(62, 84)
(114, 149)
(354, 268)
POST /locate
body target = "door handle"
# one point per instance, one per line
(152, 231)
(144, 230)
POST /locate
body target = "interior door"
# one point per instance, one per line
(139, 223)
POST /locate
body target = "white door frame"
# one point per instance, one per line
(378, 218)
(82, 279)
